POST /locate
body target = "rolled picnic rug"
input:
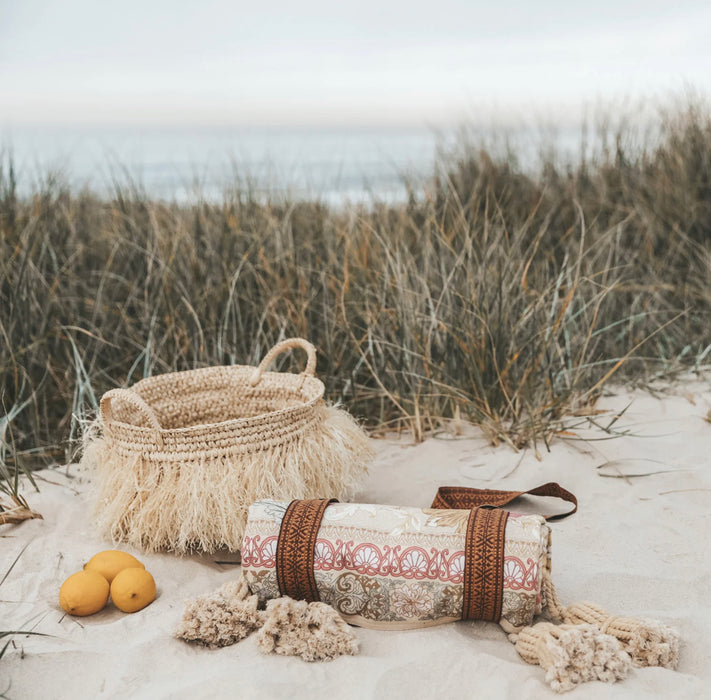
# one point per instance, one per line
(391, 567)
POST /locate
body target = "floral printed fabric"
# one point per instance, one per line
(396, 568)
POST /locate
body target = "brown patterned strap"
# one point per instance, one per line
(463, 498)
(295, 548)
(483, 591)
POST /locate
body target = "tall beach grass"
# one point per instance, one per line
(496, 294)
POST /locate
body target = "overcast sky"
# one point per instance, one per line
(324, 62)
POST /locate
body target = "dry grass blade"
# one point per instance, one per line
(17, 513)
(11, 633)
(619, 468)
(14, 509)
(12, 566)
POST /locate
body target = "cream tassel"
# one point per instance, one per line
(572, 654)
(222, 618)
(313, 631)
(648, 642)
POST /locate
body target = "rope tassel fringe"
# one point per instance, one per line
(313, 631)
(648, 642)
(589, 645)
(572, 654)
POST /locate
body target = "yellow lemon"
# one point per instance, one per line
(84, 593)
(110, 562)
(133, 589)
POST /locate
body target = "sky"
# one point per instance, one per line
(318, 62)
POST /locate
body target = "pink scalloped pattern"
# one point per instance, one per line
(409, 563)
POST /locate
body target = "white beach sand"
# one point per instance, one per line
(638, 546)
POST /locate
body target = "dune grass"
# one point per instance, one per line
(495, 295)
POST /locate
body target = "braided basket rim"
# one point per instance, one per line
(235, 425)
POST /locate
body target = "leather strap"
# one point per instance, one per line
(295, 548)
(464, 498)
(483, 584)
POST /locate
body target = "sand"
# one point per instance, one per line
(638, 545)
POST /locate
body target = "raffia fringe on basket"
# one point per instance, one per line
(180, 457)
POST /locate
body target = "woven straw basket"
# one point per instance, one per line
(181, 456)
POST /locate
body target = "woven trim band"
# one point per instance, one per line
(295, 548)
(484, 564)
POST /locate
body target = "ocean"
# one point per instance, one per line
(334, 164)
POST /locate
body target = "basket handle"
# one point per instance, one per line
(278, 349)
(135, 401)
